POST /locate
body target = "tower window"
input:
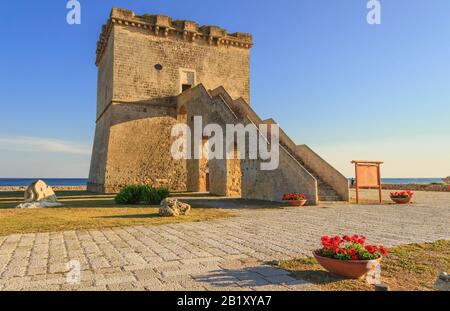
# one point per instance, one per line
(187, 79)
(185, 87)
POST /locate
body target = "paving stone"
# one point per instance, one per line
(219, 255)
(279, 279)
(268, 271)
(146, 274)
(115, 278)
(149, 283)
(127, 286)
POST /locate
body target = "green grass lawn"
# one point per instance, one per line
(83, 210)
(412, 267)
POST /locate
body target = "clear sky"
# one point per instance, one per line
(348, 89)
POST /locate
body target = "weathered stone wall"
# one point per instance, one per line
(254, 183)
(139, 147)
(135, 107)
(204, 168)
(269, 185)
(137, 52)
(418, 187)
(101, 139)
(100, 153)
(105, 77)
(272, 185)
(322, 168)
(234, 174)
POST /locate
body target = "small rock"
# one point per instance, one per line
(382, 288)
(443, 283)
(171, 207)
(275, 262)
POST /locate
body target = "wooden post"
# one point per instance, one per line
(368, 176)
(380, 187)
(356, 183)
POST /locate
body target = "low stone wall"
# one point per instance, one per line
(417, 187)
(55, 188)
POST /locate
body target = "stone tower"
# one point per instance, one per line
(144, 63)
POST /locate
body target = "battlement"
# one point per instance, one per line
(160, 25)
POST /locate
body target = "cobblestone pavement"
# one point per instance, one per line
(227, 254)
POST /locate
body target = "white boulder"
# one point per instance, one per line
(39, 195)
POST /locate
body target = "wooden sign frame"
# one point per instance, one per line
(368, 176)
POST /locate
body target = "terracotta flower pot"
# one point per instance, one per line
(401, 200)
(352, 269)
(297, 203)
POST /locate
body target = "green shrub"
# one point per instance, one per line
(163, 193)
(154, 196)
(141, 194)
(130, 195)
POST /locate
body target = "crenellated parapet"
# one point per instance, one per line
(164, 26)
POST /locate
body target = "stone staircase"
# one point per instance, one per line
(326, 192)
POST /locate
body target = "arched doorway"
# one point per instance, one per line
(182, 115)
(204, 175)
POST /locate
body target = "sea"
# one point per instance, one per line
(20, 182)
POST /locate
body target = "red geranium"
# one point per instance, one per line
(294, 197)
(350, 248)
(402, 194)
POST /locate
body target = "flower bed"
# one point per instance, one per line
(402, 197)
(350, 248)
(349, 256)
(295, 199)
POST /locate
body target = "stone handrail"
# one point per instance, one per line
(322, 168)
(240, 106)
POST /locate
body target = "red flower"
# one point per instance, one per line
(325, 238)
(335, 246)
(338, 248)
(294, 197)
(382, 250)
(337, 239)
(351, 252)
(371, 249)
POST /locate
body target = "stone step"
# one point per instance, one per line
(329, 198)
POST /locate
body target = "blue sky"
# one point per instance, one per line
(348, 89)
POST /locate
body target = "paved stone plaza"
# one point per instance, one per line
(227, 254)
